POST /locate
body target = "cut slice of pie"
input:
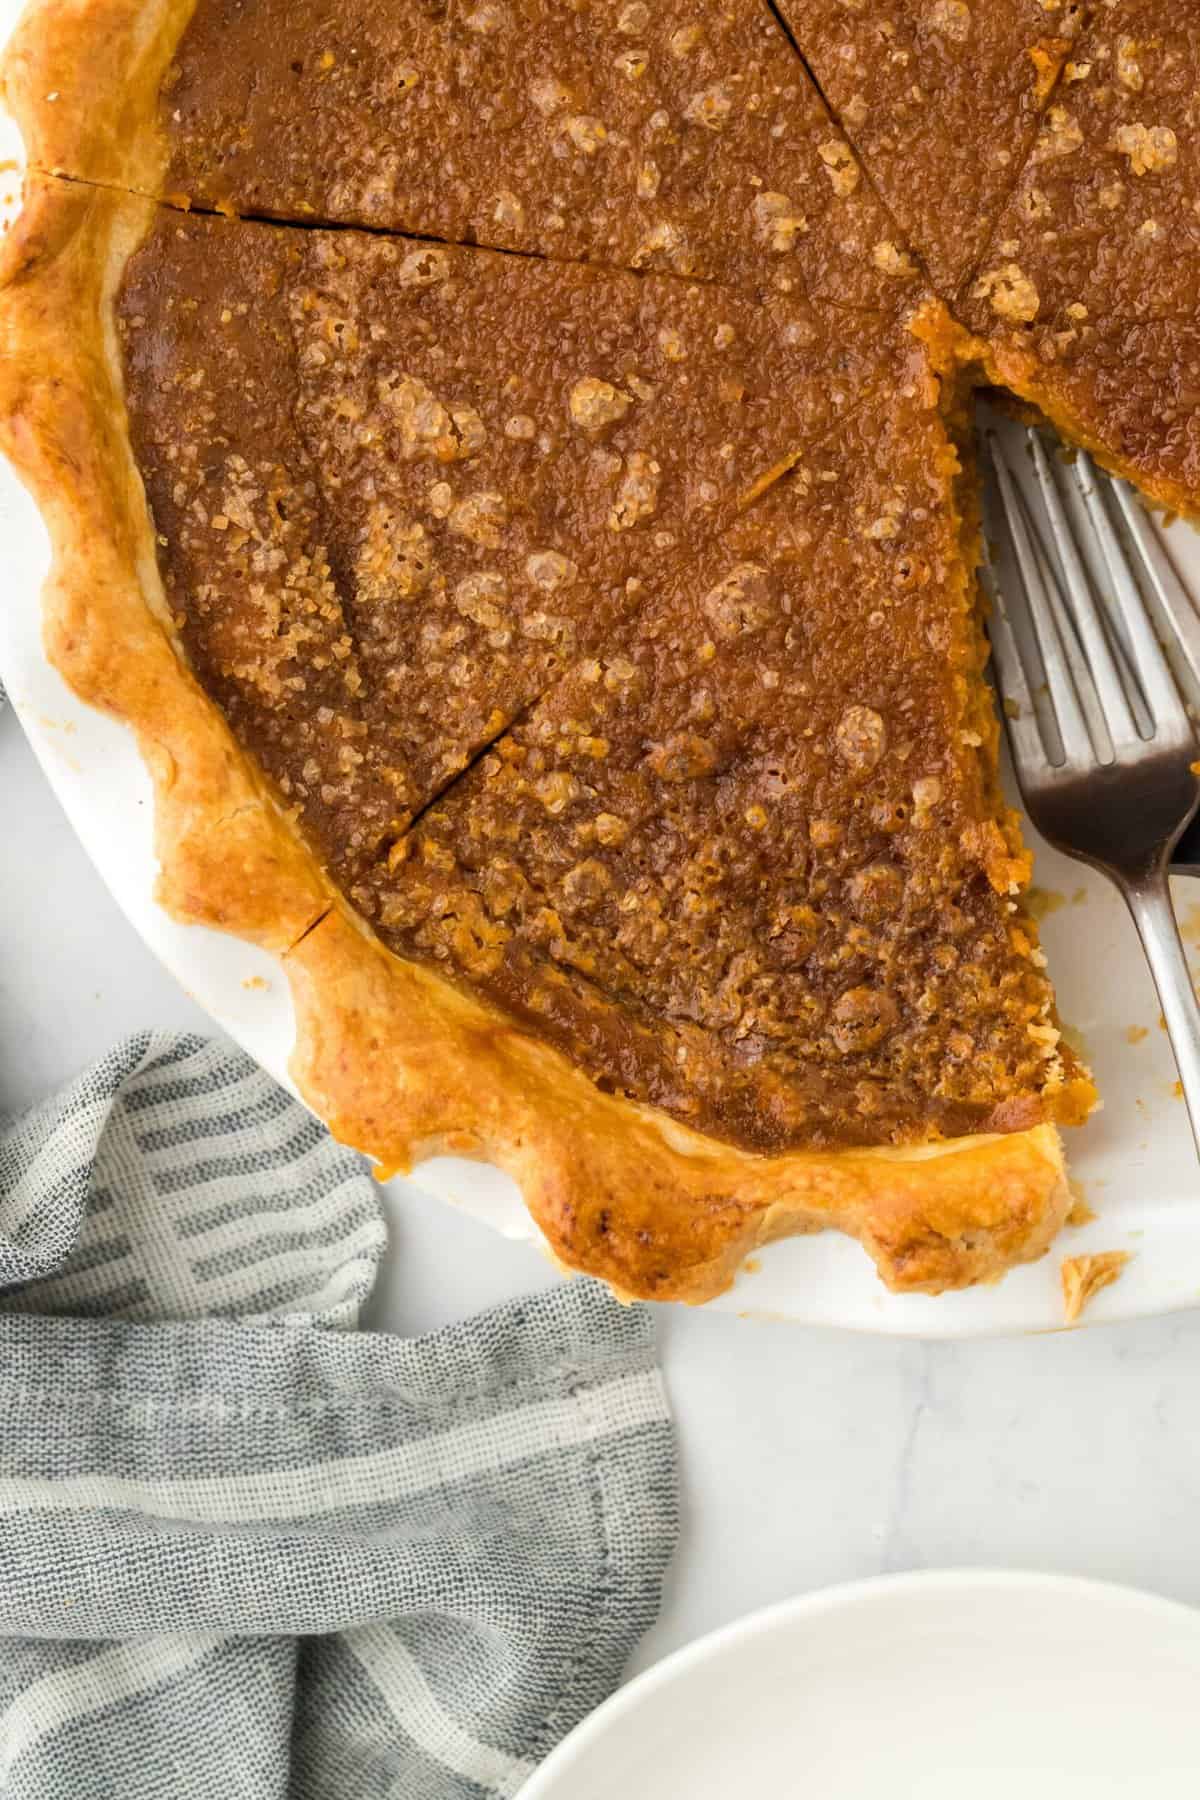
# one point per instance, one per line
(651, 136)
(1085, 300)
(399, 487)
(748, 866)
(748, 862)
(941, 99)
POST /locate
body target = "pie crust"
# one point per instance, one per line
(397, 1061)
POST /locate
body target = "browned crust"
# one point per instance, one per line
(396, 1060)
(82, 79)
(228, 857)
(399, 1062)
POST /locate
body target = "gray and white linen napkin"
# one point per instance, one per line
(244, 1556)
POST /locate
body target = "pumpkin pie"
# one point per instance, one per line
(565, 653)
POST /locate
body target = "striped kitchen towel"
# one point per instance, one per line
(243, 1555)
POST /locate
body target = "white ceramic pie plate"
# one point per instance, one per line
(937, 1686)
(1134, 1161)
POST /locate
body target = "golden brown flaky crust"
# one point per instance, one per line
(82, 80)
(229, 859)
(397, 1061)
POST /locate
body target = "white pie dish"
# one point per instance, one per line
(937, 1684)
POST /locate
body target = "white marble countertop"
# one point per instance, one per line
(808, 1457)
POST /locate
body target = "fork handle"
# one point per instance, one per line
(1154, 916)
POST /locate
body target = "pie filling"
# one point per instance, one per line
(614, 640)
(669, 135)
(748, 863)
(612, 636)
(571, 518)
(399, 488)
(941, 100)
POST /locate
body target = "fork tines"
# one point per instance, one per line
(1081, 668)
(1102, 741)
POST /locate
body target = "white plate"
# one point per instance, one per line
(934, 1686)
(1134, 1161)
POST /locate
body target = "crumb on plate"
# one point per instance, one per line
(1083, 1277)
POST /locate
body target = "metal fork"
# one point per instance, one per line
(1101, 739)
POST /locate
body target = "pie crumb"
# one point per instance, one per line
(1083, 1277)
